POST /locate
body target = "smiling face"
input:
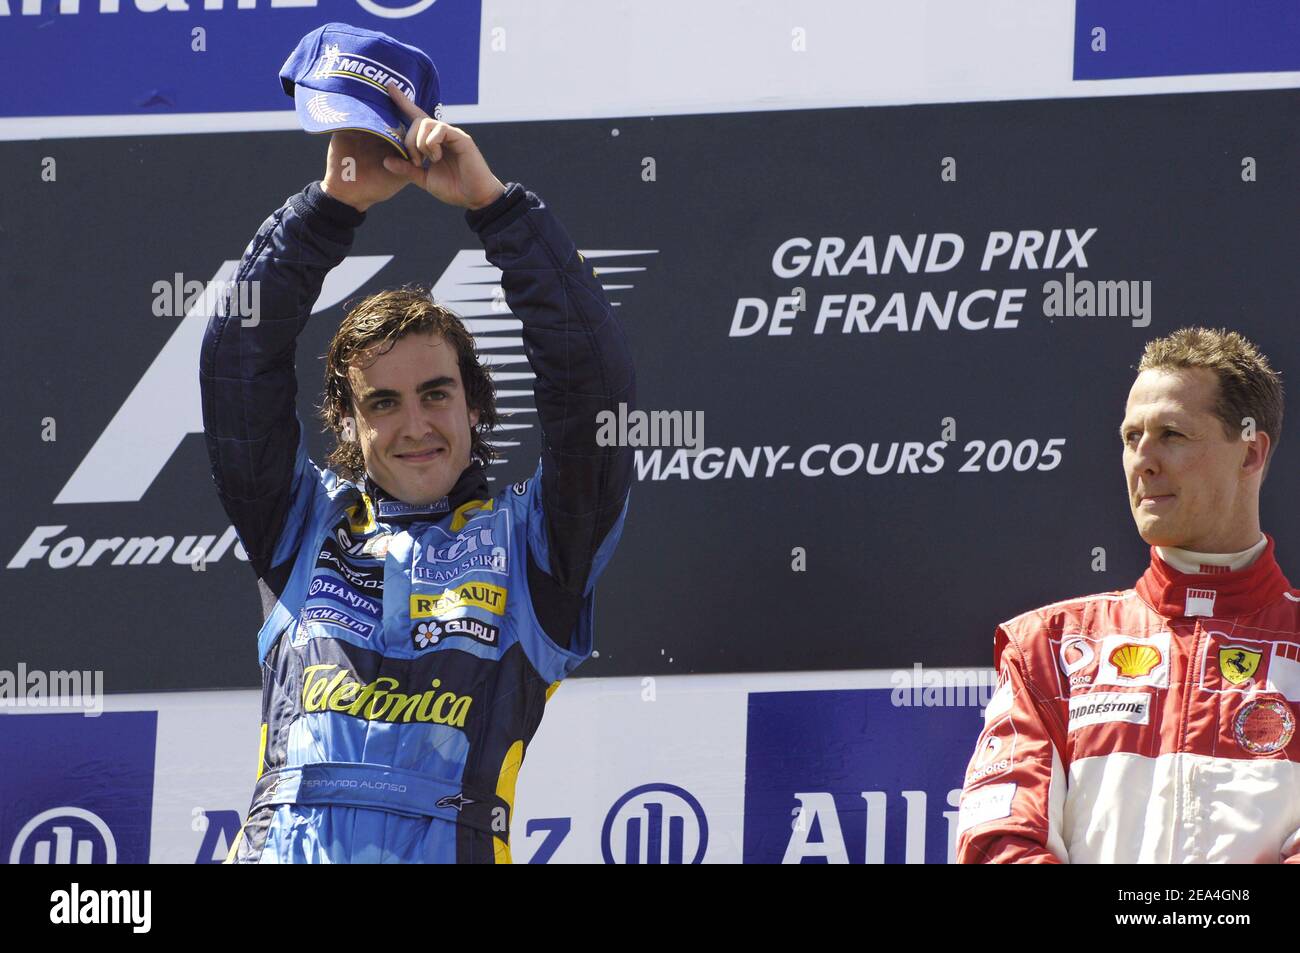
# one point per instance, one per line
(1191, 485)
(412, 420)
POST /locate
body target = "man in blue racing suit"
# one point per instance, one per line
(415, 624)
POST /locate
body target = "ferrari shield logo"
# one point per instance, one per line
(1238, 664)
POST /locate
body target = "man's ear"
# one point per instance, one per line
(349, 430)
(1257, 452)
(473, 417)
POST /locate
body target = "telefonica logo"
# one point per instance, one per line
(33, 8)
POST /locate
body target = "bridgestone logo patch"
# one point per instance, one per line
(1097, 707)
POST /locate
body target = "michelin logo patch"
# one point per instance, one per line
(324, 615)
(431, 633)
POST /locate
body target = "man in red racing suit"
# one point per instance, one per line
(1157, 724)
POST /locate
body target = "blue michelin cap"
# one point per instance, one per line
(338, 76)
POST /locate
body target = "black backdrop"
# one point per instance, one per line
(900, 568)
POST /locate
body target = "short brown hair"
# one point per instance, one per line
(1248, 385)
(383, 319)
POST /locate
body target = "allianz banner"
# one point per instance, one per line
(908, 334)
(169, 57)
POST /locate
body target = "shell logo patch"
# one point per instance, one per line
(1134, 659)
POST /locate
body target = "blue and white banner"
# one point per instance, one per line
(77, 789)
(170, 57)
(1119, 39)
(835, 776)
(767, 768)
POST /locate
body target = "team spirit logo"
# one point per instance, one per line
(1238, 664)
(431, 633)
(328, 687)
(482, 548)
(479, 595)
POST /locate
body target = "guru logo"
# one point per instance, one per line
(431, 633)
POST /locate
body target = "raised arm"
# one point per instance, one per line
(573, 343)
(246, 366)
(583, 366)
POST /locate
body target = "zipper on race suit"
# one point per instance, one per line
(1187, 799)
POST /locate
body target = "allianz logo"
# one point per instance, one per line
(35, 8)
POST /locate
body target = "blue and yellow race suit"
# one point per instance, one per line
(408, 651)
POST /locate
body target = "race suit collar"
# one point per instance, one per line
(1182, 595)
(471, 485)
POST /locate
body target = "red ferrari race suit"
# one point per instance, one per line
(1156, 724)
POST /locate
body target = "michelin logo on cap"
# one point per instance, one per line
(339, 74)
(360, 68)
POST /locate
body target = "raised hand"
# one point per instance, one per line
(367, 181)
(456, 171)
